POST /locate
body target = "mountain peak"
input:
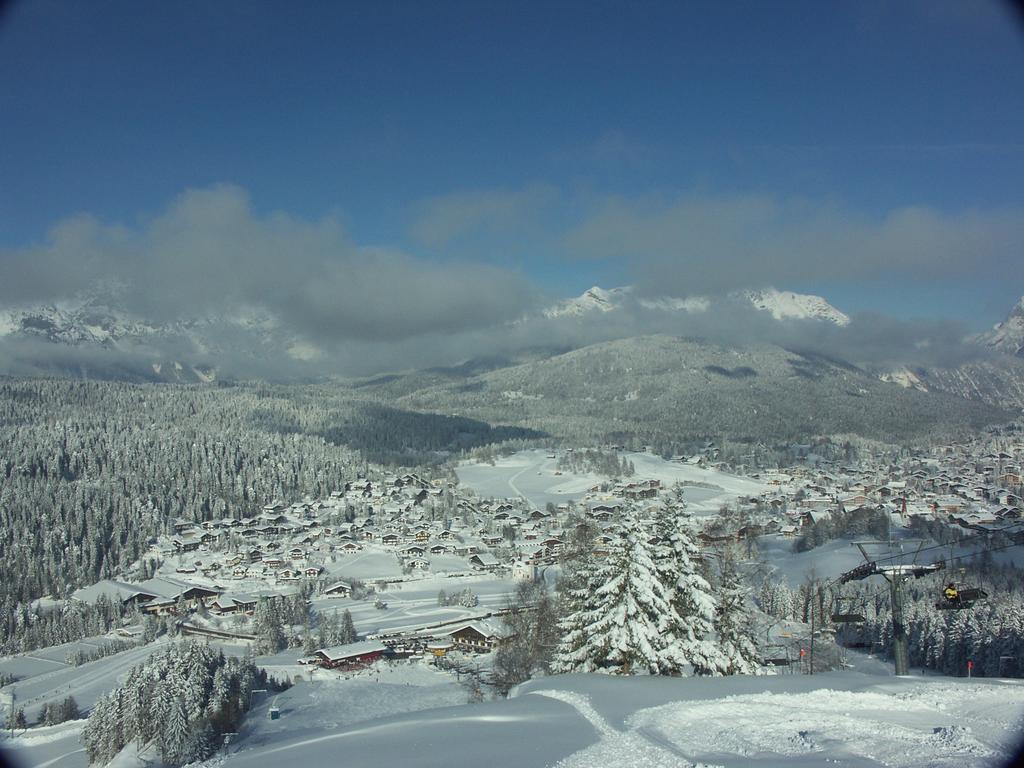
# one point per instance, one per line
(1008, 336)
(783, 305)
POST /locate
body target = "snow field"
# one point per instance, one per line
(899, 724)
(531, 474)
(337, 699)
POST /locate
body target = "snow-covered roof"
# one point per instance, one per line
(351, 650)
(115, 590)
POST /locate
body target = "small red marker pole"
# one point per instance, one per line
(970, 666)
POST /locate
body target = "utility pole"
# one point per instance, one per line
(813, 601)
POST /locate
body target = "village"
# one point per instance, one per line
(383, 548)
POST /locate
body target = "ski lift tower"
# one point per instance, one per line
(895, 575)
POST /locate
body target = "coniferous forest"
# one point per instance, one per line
(91, 472)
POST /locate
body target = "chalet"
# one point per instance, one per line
(235, 603)
(351, 656)
(186, 542)
(484, 561)
(477, 636)
(349, 547)
(553, 544)
(418, 563)
(339, 589)
(389, 539)
(492, 540)
(439, 549)
(533, 554)
(645, 490)
(115, 591)
(413, 550)
(311, 571)
(446, 536)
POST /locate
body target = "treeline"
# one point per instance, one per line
(25, 628)
(393, 436)
(182, 699)
(606, 463)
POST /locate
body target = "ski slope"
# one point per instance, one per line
(595, 721)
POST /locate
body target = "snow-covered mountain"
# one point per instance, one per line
(786, 305)
(782, 305)
(1008, 336)
(180, 349)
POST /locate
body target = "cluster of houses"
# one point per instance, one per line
(966, 486)
(435, 527)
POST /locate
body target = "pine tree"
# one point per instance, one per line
(691, 622)
(732, 624)
(348, 629)
(174, 736)
(267, 627)
(621, 622)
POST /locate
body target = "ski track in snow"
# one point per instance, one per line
(910, 729)
(639, 748)
(932, 725)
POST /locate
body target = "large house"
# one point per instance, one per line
(350, 656)
(477, 636)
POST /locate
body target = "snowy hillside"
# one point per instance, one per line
(849, 718)
(782, 305)
(659, 385)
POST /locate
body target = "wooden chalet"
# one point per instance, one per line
(351, 656)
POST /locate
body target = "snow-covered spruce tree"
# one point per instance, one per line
(732, 624)
(691, 621)
(180, 698)
(267, 626)
(347, 633)
(623, 614)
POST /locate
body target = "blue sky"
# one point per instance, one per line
(871, 151)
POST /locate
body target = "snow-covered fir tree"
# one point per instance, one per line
(733, 623)
(267, 626)
(180, 698)
(691, 621)
(624, 618)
